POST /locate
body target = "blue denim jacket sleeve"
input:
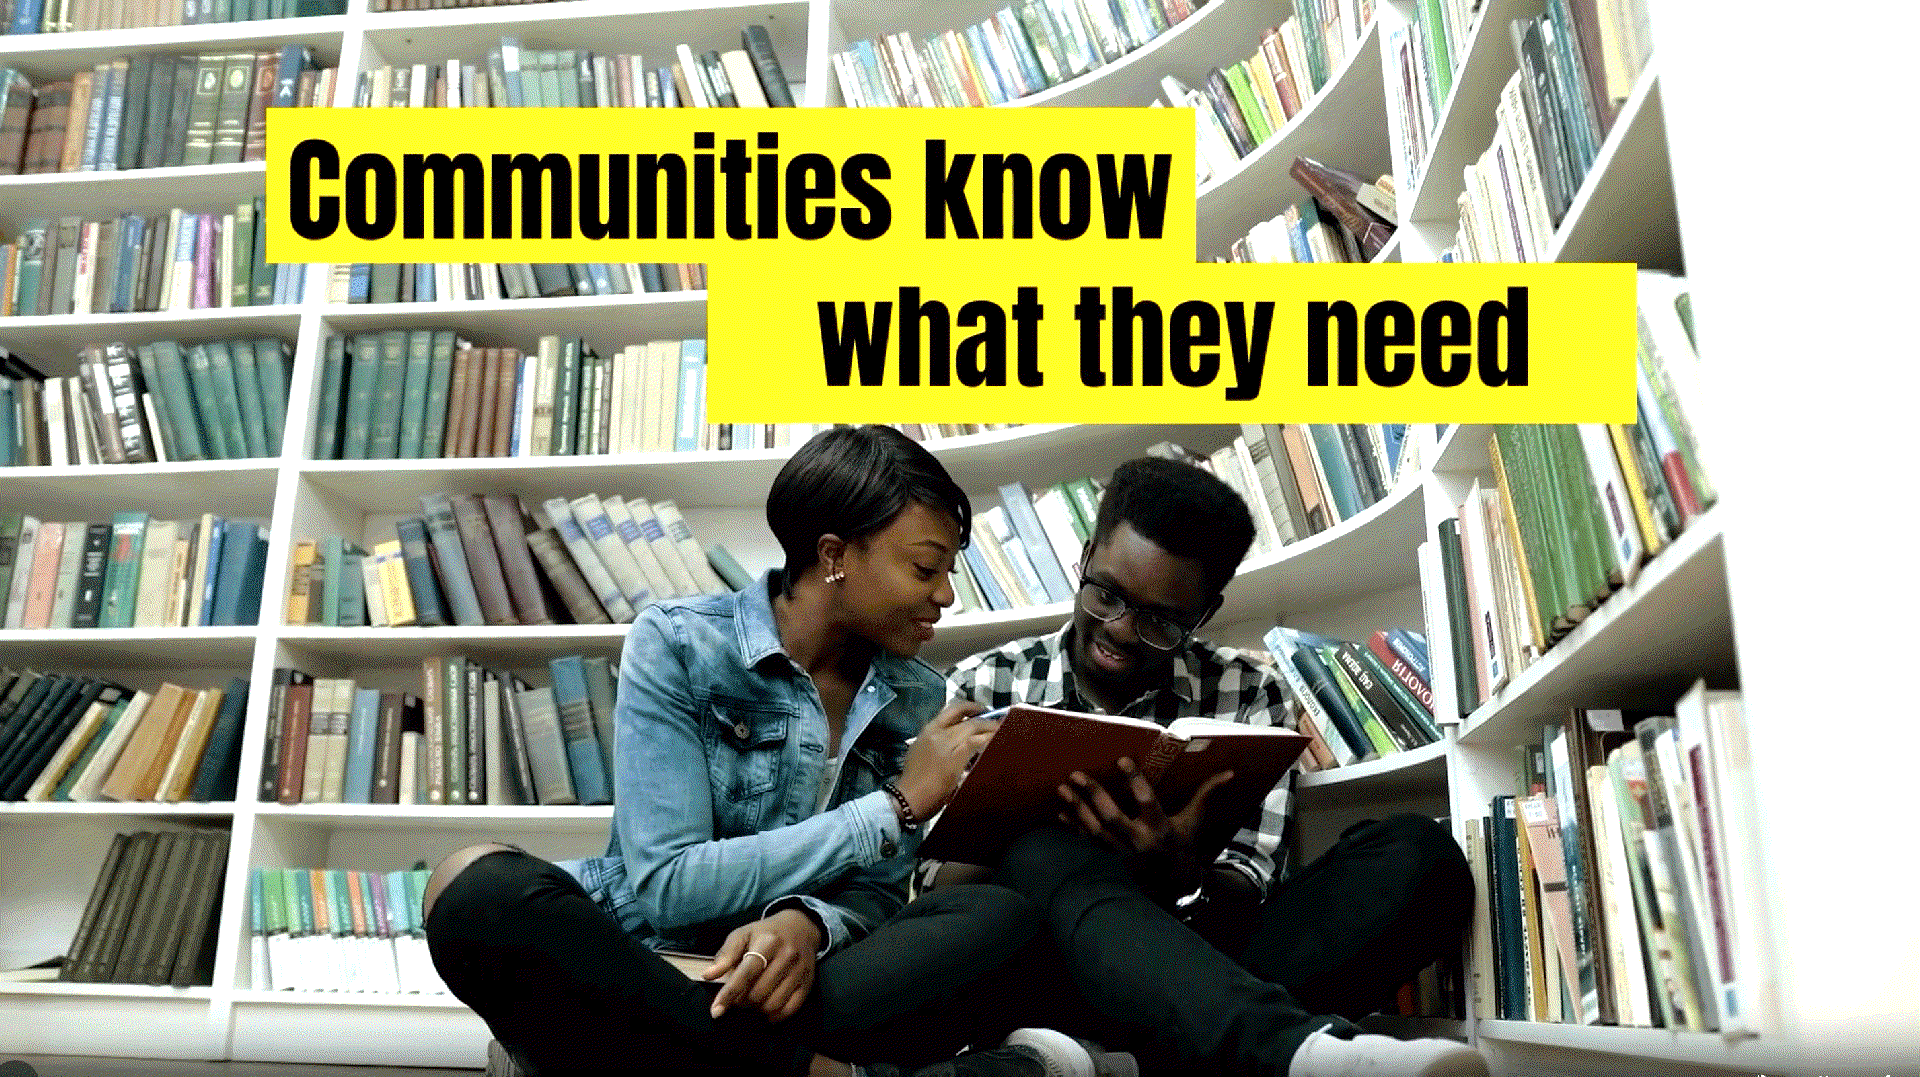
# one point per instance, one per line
(681, 871)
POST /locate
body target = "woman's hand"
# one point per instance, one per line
(941, 754)
(768, 964)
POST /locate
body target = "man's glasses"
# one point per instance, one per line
(1154, 629)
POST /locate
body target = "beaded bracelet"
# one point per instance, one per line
(908, 822)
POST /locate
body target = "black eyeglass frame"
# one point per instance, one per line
(1141, 614)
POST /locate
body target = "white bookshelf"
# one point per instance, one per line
(1711, 589)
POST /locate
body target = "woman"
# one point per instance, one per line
(774, 758)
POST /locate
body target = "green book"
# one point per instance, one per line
(327, 443)
(566, 397)
(1251, 106)
(270, 359)
(206, 397)
(413, 397)
(178, 447)
(230, 115)
(439, 384)
(389, 388)
(229, 409)
(363, 371)
(122, 585)
(208, 77)
(252, 403)
(1370, 723)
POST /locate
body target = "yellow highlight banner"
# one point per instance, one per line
(696, 185)
(1129, 342)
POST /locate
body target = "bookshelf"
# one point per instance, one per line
(1653, 189)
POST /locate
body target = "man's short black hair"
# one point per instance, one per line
(1183, 510)
(852, 481)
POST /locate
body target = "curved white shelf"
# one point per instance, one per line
(1644, 645)
(1652, 1044)
(1037, 455)
(58, 56)
(115, 808)
(1423, 769)
(607, 321)
(100, 195)
(249, 997)
(196, 650)
(389, 646)
(60, 336)
(649, 29)
(1133, 79)
(587, 819)
(231, 488)
(1323, 129)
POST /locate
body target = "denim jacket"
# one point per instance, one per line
(720, 751)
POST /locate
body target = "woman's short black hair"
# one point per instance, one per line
(851, 481)
(1181, 509)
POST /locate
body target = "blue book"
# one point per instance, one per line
(219, 774)
(452, 553)
(232, 605)
(571, 702)
(362, 726)
(693, 395)
(428, 609)
(216, 543)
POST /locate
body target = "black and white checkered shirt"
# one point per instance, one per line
(1208, 682)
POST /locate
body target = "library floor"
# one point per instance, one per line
(51, 1066)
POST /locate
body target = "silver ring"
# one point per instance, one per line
(764, 963)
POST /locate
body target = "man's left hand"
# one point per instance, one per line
(1149, 837)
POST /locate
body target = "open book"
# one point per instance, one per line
(1012, 786)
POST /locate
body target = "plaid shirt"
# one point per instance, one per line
(1208, 681)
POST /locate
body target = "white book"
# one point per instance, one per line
(1478, 556)
(410, 767)
(696, 86)
(86, 787)
(156, 559)
(53, 403)
(629, 531)
(591, 515)
(1616, 510)
(203, 568)
(692, 554)
(22, 570)
(587, 559)
(376, 601)
(67, 587)
(664, 550)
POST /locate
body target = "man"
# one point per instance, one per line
(1234, 965)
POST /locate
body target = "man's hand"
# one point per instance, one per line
(768, 964)
(1149, 837)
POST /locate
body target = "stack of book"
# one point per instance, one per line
(152, 915)
(1573, 512)
(151, 111)
(1358, 701)
(1348, 219)
(1621, 882)
(159, 402)
(178, 260)
(469, 559)
(473, 736)
(327, 929)
(80, 738)
(133, 572)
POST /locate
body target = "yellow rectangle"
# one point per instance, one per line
(1204, 343)
(703, 185)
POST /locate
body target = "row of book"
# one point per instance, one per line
(469, 559)
(133, 572)
(178, 260)
(152, 915)
(1248, 102)
(79, 738)
(1358, 700)
(155, 111)
(473, 735)
(412, 394)
(1573, 512)
(434, 282)
(1423, 54)
(1577, 63)
(339, 930)
(1621, 882)
(1019, 50)
(67, 16)
(512, 76)
(159, 402)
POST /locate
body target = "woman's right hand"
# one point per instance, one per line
(941, 754)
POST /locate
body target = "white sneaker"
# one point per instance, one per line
(1324, 1055)
(1067, 1056)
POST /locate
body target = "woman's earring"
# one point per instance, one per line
(836, 575)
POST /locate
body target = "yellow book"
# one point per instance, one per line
(1636, 489)
(299, 593)
(395, 592)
